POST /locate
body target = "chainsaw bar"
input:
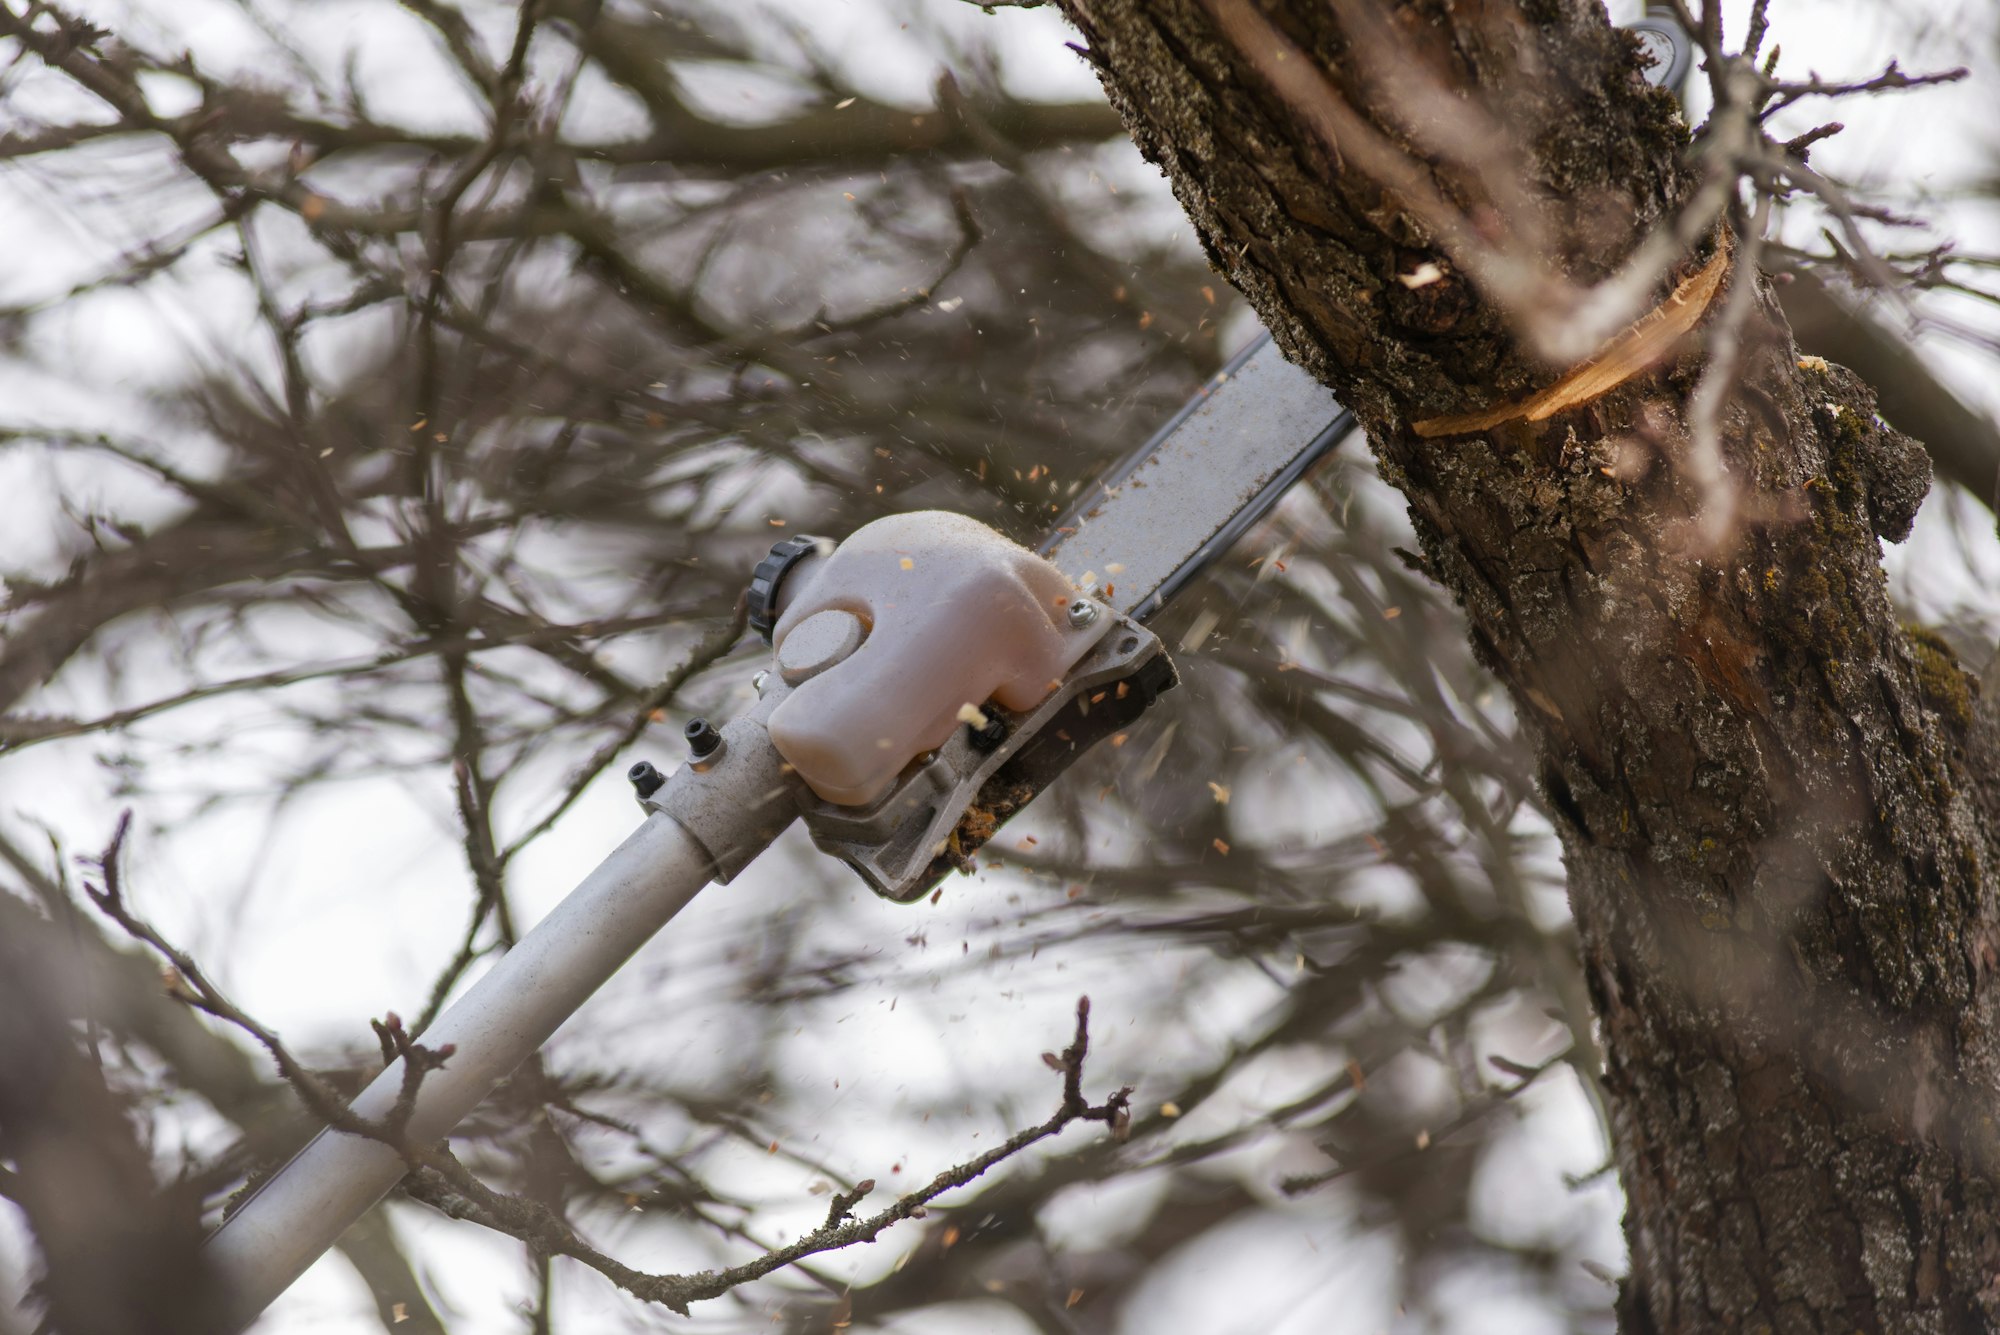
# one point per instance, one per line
(1161, 514)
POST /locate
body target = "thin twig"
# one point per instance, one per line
(439, 1178)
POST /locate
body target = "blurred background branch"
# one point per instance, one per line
(397, 398)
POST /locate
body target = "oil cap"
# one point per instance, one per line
(771, 571)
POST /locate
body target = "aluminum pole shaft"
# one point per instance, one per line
(301, 1210)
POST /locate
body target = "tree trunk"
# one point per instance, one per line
(1778, 807)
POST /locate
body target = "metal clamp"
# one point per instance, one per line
(734, 798)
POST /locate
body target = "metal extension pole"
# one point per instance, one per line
(738, 805)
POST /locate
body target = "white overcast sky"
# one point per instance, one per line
(283, 912)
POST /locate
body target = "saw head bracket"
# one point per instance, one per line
(950, 801)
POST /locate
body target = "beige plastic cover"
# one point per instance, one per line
(954, 614)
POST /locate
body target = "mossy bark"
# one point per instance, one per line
(1778, 808)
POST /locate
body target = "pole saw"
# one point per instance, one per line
(928, 677)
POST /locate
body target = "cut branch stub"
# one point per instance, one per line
(1647, 342)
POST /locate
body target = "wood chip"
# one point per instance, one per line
(1422, 276)
(1204, 625)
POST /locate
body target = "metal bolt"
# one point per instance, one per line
(645, 779)
(1082, 613)
(703, 739)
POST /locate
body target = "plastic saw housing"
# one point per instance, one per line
(935, 677)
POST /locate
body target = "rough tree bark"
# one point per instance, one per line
(1778, 806)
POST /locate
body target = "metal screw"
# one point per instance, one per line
(702, 738)
(645, 779)
(1082, 612)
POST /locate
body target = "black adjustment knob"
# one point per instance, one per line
(770, 572)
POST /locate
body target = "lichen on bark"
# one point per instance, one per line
(1777, 805)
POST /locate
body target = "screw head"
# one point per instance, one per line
(702, 738)
(645, 779)
(1082, 612)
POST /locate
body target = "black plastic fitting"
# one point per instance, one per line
(986, 740)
